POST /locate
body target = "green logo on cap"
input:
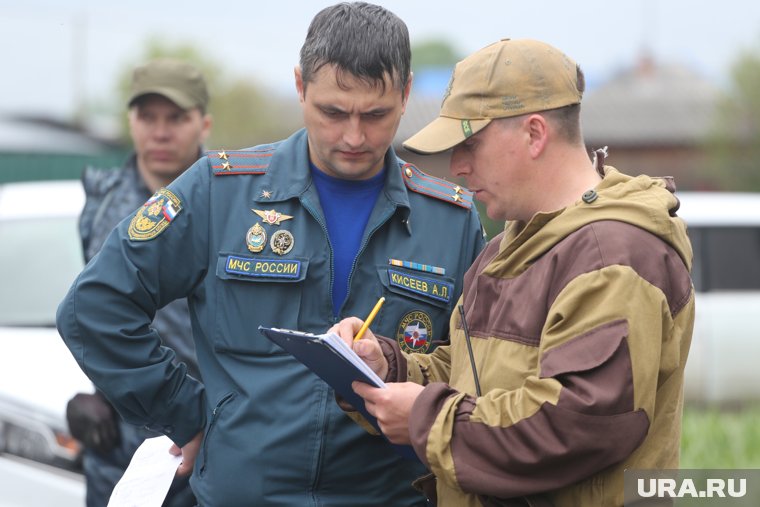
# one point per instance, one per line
(448, 89)
(466, 128)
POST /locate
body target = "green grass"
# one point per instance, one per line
(720, 438)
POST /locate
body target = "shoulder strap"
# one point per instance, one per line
(443, 190)
(236, 162)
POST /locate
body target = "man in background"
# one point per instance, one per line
(168, 124)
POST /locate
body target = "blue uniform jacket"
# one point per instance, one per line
(273, 434)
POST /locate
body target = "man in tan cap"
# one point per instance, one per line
(567, 354)
(168, 124)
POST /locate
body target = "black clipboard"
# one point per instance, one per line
(331, 365)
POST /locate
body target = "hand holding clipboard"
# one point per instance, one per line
(332, 360)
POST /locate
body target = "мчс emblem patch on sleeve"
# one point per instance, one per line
(154, 216)
(413, 332)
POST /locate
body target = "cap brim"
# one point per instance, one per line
(442, 134)
(181, 99)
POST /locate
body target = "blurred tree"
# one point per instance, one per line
(245, 113)
(734, 144)
(434, 53)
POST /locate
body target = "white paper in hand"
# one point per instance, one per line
(148, 477)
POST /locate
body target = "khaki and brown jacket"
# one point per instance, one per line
(580, 324)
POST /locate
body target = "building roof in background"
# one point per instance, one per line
(428, 86)
(21, 134)
(421, 109)
(650, 104)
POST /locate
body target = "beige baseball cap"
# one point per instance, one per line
(507, 78)
(176, 80)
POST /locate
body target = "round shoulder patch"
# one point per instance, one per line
(413, 333)
(154, 216)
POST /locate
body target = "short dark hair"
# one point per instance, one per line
(365, 40)
(568, 118)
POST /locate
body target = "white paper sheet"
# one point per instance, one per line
(148, 477)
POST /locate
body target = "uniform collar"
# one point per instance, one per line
(288, 175)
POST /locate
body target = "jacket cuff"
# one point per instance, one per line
(397, 370)
(176, 422)
(425, 411)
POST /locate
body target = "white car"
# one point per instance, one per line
(724, 228)
(40, 255)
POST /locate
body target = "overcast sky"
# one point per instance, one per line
(57, 51)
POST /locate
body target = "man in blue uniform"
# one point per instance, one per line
(296, 234)
(168, 124)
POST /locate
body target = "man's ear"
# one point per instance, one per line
(208, 121)
(406, 91)
(299, 83)
(537, 134)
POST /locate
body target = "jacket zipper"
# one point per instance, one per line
(214, 415)
(361, 251)
(333, 319)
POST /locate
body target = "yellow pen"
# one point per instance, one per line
(371, 317)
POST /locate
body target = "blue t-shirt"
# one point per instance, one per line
(347, 205)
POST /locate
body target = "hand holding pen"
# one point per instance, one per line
(357, 335)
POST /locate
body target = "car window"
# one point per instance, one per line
(39, 259)
(726, 258)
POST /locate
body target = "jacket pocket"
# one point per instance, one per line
(253, 292)
(215, 415)
(417, 307)
(435, 290)
(427, 486)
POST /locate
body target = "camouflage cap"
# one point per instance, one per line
(176, 80)
(507, 78)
